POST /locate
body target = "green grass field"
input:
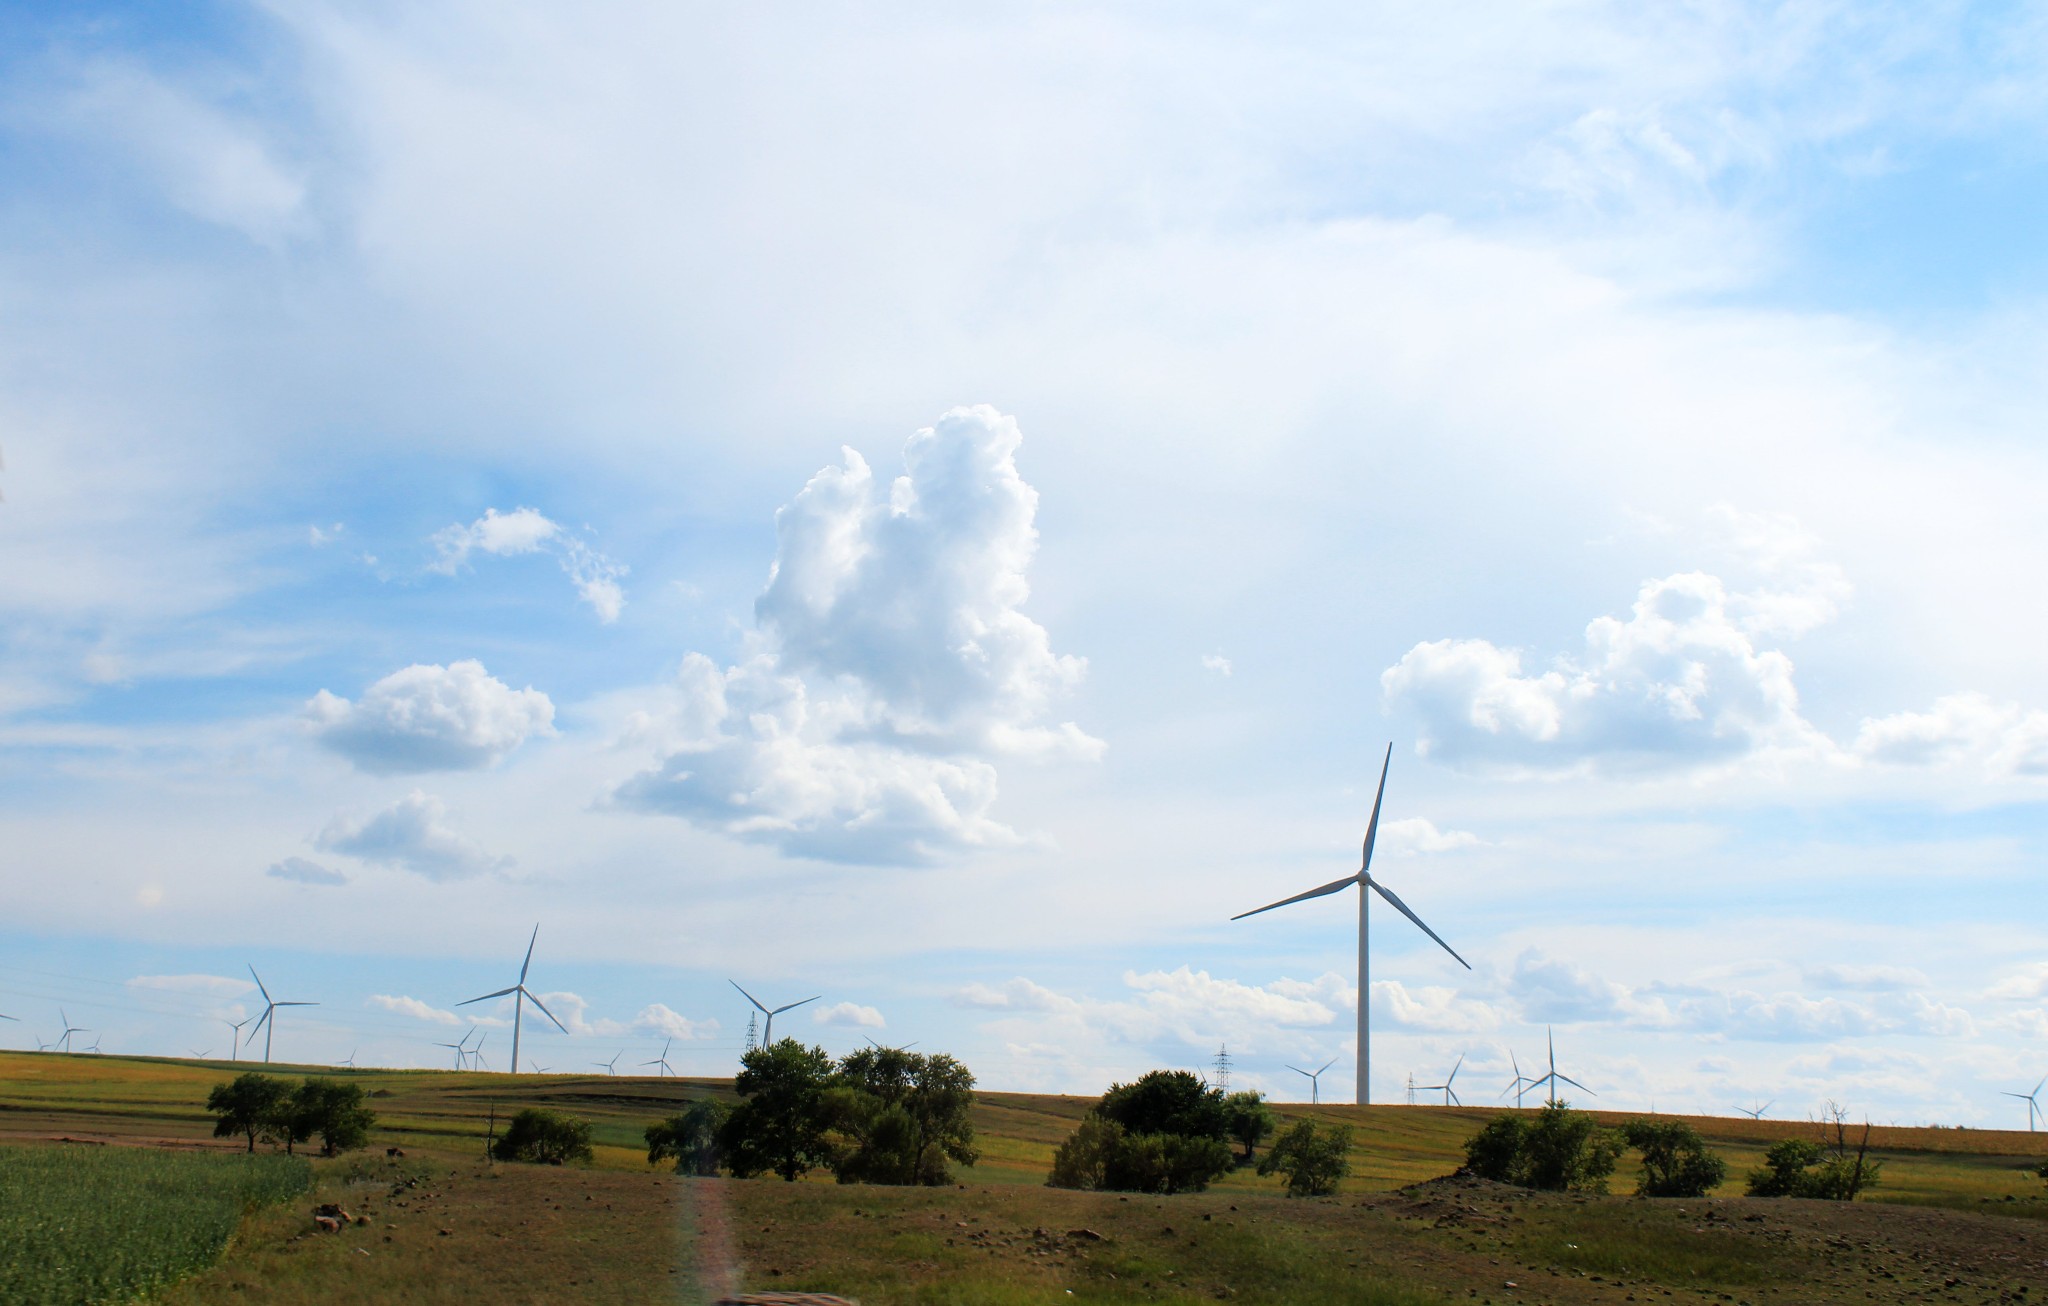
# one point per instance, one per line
(447, 1227)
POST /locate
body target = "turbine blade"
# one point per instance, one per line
(1372, 828)
(1326, 1065)
(1576, 1084)
(488, 996)
(259, 983)
(751, 998)
(779, 1010)
(1333, 886)
(295, 1004)
(1402, 907)
(543, 1010)
(1299, 1071)
(529, 952)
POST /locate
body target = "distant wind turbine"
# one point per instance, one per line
(235, 1049)
(611, 1067)
(63, 1043)
(884, 1047)
(200, 1056)
(351, 1061)
(1364, 880)
(1553, 1078)
(542, 1070)
(2033, 1101)
(476, 1054)
(768, 1031)
(1518, 1084)
(662, 1061)
(95, 1043)
(520, 994)
(1450, 1097)
(1315, 1080)
(267, 1022)
(1757, 1113)
(461, 1052)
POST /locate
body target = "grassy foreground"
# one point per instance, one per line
(447, 1227)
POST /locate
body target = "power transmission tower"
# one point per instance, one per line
(752, 1028)
(1222, 1064)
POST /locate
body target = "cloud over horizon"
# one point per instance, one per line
(412, 834)
(430, 718)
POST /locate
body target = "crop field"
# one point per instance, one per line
(444, 1226)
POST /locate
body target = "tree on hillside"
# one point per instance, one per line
(1561, 1150)
(248, 1104)
(545, 1138)
(690, 1139)
(1312, 1159)
(1251, 1122)
(1676, 1162)
(1832, 1169)
(1163, 1133)
(780, 1124)
(335, 1112)
(902, 1116)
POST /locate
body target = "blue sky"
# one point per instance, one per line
(943, 510)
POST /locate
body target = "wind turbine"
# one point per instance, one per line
(351, 1061)
(1450, 1097)
(63, 1041)
(2033, 1101)
(611, 1067)
(201, 1056)
(1315, 1085)
(1553, 1078)
(461, 1052)
(1518, 1083)
(235, 1050)
(662, 1061)
(267, 1022)
(542, 1070)
(768, 1031)
(1757, 1113)
(520, 994)
(476, 1054)
(1363, 879)
(95, 1044)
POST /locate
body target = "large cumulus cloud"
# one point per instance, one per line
(431, 718)
(890, 668)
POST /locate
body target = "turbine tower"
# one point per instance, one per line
(1553, 1078)
(662, 1061)
(768, 1031)
(520, 994)
(2033, 1101)
(1519, 1082)
(1315, 1080)
(1450, 1097)
(1363, 879)
(63, 1041)
(267, 1022)
(235, 1049)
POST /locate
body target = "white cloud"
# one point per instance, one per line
(524, 531)
(1187, 997)
(893, 666)
(410, 833)
(1872, 977)
(431, 718)
(1680, 683)
(1217, 663)
(1419, 834)
(659, 1019)
(302, 870)
(2000, 739)
(226, 986)
(1018, 994)
(1431, 1008)
(415, 1008)
(849, 1014)
(2025, 984)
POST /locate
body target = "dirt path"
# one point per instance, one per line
(711, 1246)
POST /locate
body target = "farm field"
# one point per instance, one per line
(1954, 1205)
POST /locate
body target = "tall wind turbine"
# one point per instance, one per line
(520, 995)
(662, 1061)
(1553, 1078)
(63, 1042)
(235, 1049)
(267, 1022)
(768, 1031)
(1450, 1096)
(1315, 1080)
(1363, 879)
(1519, 1083)
(2033, 1101)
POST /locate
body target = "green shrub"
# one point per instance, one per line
(1676, 1162)
(900, 1117)
(1164, 1133)
(1562, 1150)
(689, 1139)
(779, 1125)
(334, 1112)
(1249, 1122)
(1312, 1159)
(545, 1138)
(1798, 1168)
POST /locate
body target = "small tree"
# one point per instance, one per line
(1832, 1169)
(901, 1115)
(334, 1111)
(1560, 1150)
(1251, 1122)
(1676, 1162)
(545, 1138)
(1167, 1102)
(780, 1125)
(1495, 1152)
(1163, 1133)
(690, 1139)
(1312, 1159)
(248, 1104)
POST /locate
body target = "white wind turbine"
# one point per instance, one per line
(662, 1061)
(1757, 1112)
(611, 1067)
(1315, 1080)
(1363, 879)
(2033, 1101)
(519, 994)
(267, 1022)
(768, 1031)
(461, 1051)
(235, 1048)
(63, 1043)
(1518, 1083)
(1450, 1096)
(351, 1061)
(476, 1054)
(1553, 1078)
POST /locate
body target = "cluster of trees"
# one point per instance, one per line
(1170, 1132)
(544, 1138)
(879, 1116)
(276, 1111)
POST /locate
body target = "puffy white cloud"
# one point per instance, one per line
(226, 986)
(301, 870)
(418, 1010)
(1217, 663)
(410, 833)
(1680, 683)
(431, 718)
(1187, 997)
(1419, 834)
(2001, 739)
(659, 1019)
(849, 1014)
(524, 531)
(1431, 1008)
(1550, 989)
(1018, 994)
(892, 666)
(2026, 983)
(1875, 978)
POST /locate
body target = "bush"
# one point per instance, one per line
(332, 1110)
(1164, 1133)
(1562, 1150)
(900, 1117)
(1798, 1168)
(1312, 1159)
(1249, 1123)
(780, 1124)
(1676, 1162)
(689, 1139)
(544, 1137)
